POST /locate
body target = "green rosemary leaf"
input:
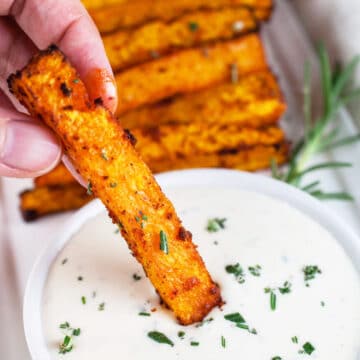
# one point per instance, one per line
(326, 78)
(332, 196)
(343, 76)
(310, 186)
(342, 142)
(326, 165)
(307, 99)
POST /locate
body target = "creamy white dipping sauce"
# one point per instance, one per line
(96, 265)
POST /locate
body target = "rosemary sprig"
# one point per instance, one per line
(321, 134)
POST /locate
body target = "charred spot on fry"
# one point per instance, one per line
(65, 90)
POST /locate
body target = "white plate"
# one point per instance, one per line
(205, 177)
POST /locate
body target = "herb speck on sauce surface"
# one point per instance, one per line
(246, 263)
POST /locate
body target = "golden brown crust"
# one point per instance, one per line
(129, 47)
(171, 142)
(188, 71)
(59, 175)
(50, 89)
(253, 158)
(254, 101)
(136, 12)
(47, 200)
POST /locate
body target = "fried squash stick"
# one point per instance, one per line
(253, 101)
(129, 47)
(189, 70)
(50, 88)
(46, 200)
(136, 12)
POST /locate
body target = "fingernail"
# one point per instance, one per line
(28, 147)
(101, 84)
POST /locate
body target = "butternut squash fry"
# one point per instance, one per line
(254, 101)
(50, 88)
(47, 200)
(129, 47)
(136, 12)
(188, 71)
(59, 175)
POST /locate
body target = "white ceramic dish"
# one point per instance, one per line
(204, 177)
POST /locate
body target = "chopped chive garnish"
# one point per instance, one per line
(237, 271)
(255, 270)
(294, 339)
(64, 325)
(272, 300)
(276, 358)
(322, 303)
(67, 344)
(286, 288)
(310, 272)
(239, 322)
(89, 188)
(235, 317)
(104, 154)
(194, 343)
(242, 326)
(101, 307)
(64, 261)
(76, 332)
(223, 342)
(181, 334)
(76, 81)
(193, 26)
(83, 300)
(144, 217)
(215, 224)
(113, 184)
(308, 348)
(160, 338)
(163, 242)
(136, 277)
(143, 313)
(137, 218)
(234, 73)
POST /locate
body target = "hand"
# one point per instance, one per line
(27, 147)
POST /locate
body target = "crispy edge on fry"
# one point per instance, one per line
(87, 130)
(46, 200)
(59, 175)
(137, 12)
(188, 71)
(183, 141)
(251, 158)
(254, 101)
(126, 48)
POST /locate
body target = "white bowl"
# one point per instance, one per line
(227, 178)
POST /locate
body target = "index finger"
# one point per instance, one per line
(67, 24)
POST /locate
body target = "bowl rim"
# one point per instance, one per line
(258, 183)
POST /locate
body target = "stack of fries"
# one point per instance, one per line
(195, 90)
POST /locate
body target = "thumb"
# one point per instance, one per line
(27, 149)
